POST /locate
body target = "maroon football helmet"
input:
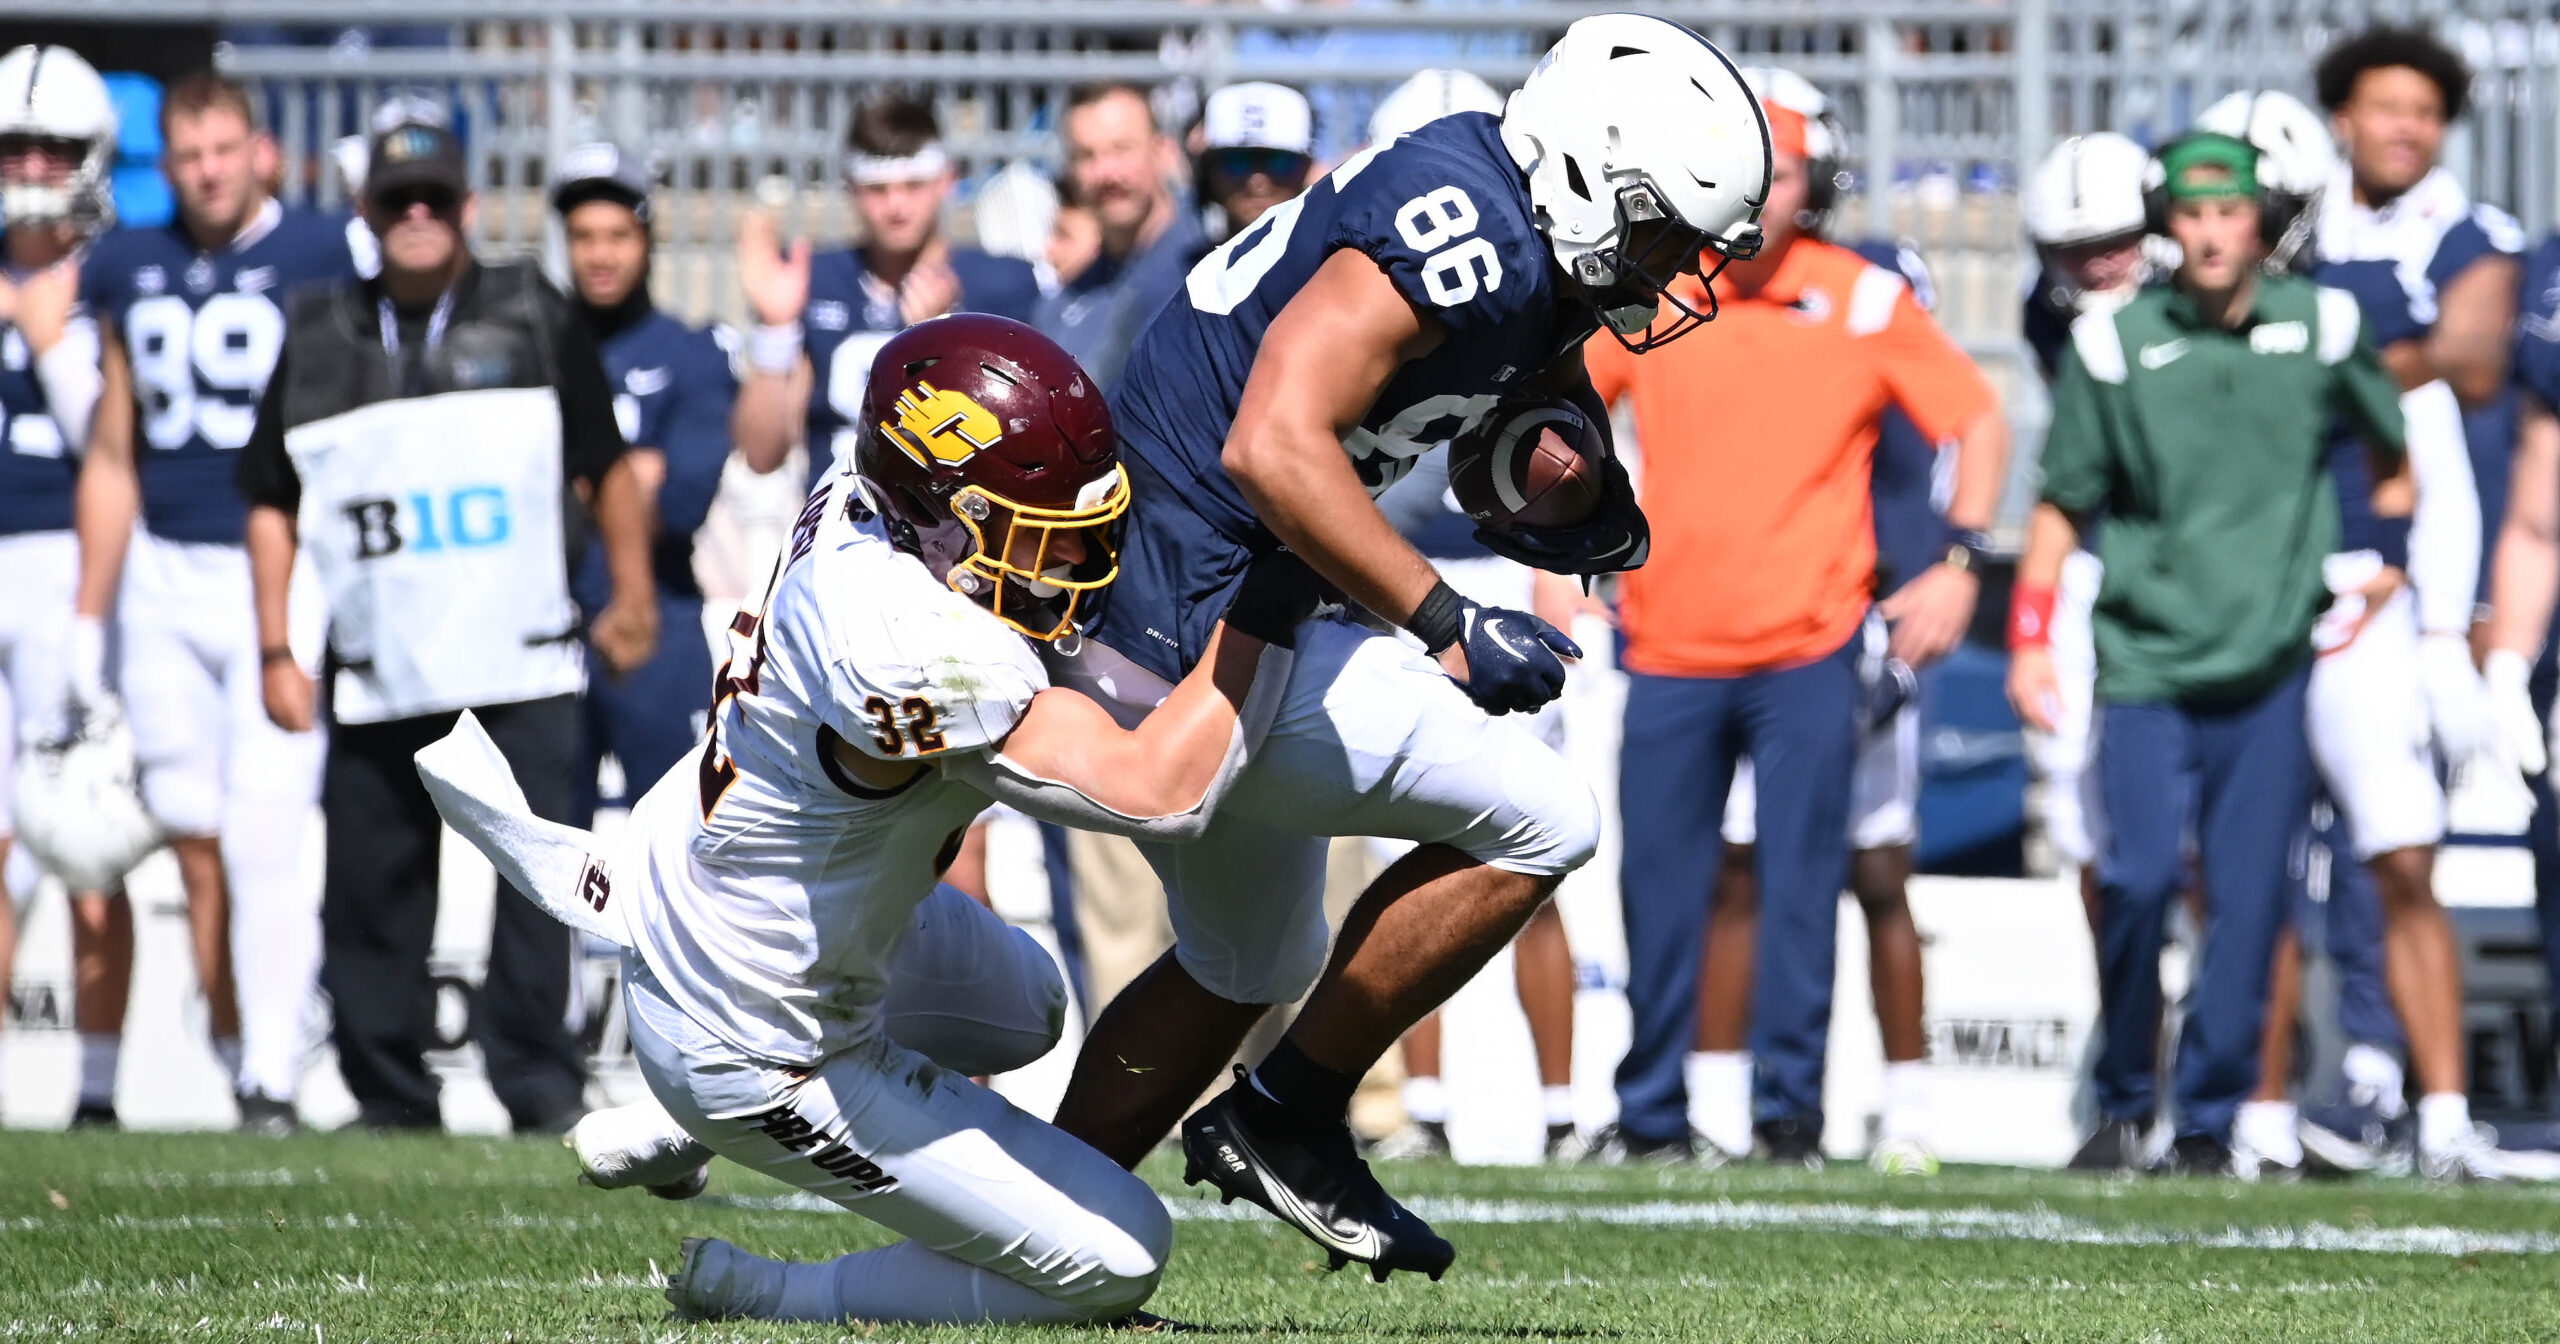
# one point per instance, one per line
(985, 444)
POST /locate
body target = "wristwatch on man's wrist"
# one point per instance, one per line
(1968, 551)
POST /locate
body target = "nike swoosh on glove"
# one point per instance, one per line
(1616, 538)
(1512, 661)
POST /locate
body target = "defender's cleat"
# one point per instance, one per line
(719, 1282)
(1315, 1183)
(624, 1146)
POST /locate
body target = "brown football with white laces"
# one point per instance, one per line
(1533, 461)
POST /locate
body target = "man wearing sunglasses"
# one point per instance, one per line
(1303, 368)
(191, 317)
(1257, 146)
(428, 437)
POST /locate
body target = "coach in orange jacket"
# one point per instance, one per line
(1742, 631)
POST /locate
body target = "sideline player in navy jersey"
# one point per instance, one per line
(1310, 359)
(2394, 669)
(57, 136)
(189, 319)
(2526, 586)
(842, 306)
(672, 392)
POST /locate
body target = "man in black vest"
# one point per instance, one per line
(429, 437)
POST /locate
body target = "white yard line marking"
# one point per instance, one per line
(1955, 1224)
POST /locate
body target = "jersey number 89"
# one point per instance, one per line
(229, 345)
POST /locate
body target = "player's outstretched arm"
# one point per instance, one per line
(1069, 762)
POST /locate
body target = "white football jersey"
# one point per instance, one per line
(774, 887)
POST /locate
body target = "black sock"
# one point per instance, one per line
(1308, 1091)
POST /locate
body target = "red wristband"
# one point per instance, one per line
(2030, 617)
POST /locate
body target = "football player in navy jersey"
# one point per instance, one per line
(673, 387)
(821, 318)
(57, 136)
(2526, 586)
(2394, 671)
(189, 318)
(1390, 307)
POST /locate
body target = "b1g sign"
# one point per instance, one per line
(463, 519)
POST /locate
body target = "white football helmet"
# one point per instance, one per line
(2088, 187)
(79, 802)
(1630, 119)
(1426, 98)
(49, 93)
(2295, 161)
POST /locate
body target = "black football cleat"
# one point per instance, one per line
(1317, 1185)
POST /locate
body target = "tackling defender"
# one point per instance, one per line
(803, 998)
(1311, 358)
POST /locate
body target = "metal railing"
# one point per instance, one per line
(1944, 100)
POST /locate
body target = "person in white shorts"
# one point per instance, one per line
(190, 322)
(57, 135)
(803, 998)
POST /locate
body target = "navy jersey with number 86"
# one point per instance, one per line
(1445, 214)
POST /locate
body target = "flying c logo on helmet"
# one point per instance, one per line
(948, 427)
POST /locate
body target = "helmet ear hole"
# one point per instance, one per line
(1573, 177)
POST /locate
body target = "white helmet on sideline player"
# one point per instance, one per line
(1629, 120)
(1426, 98)
(2295, 160)
(79, 806)
(2088, 187)
(49, 94)
(2087, 191)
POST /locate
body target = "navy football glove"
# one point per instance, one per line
(1512, 661)
(1616, 537)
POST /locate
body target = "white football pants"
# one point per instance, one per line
(212, 764)
(1008, 1220)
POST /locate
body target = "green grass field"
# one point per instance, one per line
(331, 1238)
